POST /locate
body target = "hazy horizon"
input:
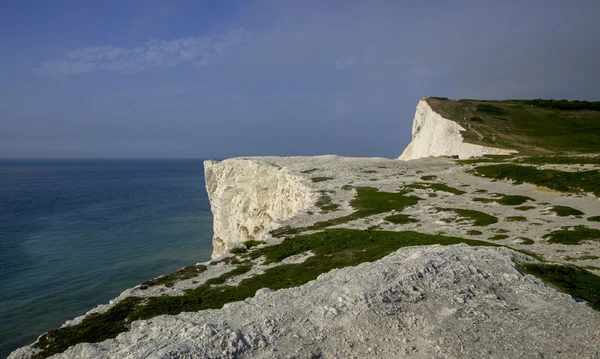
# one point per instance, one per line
(219, 79)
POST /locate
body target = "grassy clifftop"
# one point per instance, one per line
(532, 127)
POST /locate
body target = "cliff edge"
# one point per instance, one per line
(434, 136)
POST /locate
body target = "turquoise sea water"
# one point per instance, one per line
(76, 233)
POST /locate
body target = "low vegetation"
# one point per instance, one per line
(505, 199)
(168, 280)
(497, 237)
(594, 219)
(474, 232)
(587, 181)
(526, 241)
(516, 219)
(435, 186)
(573, 235)
(572, 280)
(480, 219)
(321, 179)
(564, 211)
(428, 178)
(560, 160)
(400, 219)
(310, 170)
(524, 208)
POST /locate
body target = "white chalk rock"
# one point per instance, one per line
(248, 196)
(434, 135)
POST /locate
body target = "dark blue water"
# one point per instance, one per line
(76, 233)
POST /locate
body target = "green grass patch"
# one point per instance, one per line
(524, 208)
(321, 179)
(347, 187)
(369, 171)
(516, 219)
(572, 280)
(513, 200)
(526, 241)
(573, 235)
(481, 191)
(501, 230)
(480, 219)
(237, 250)
(505, 199)
(474, 232)
(594, 219)
(497, 237)
(435, 186)
(582, 258)
(560, 160)
(588, 181)
(564, 211)
(252, 243)
(428, 178)
(168, 280)
(310, 170)
(400, 219)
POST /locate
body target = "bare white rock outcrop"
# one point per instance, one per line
(247, 198)
(419, 302)
(434, 135)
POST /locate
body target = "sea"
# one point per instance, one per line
(75, 233)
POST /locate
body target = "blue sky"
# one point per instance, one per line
(234, 78)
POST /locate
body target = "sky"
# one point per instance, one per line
(225, 78)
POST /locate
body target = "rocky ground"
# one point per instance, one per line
(423, 302)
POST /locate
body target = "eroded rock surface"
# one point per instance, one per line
(419, 302)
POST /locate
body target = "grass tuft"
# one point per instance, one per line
(573, 235)
(436, 187)
(400, 219)
(168, 280)
(516, 219)
(564, 211)
(480, 219)
(572, 280)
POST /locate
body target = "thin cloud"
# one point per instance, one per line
(198, 51)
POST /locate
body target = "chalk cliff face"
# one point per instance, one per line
(434, 135)
(247, 197)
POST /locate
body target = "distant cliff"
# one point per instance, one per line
(434, 135)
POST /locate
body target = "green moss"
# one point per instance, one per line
(428, 178)
(474, 232)
(369, 171)
(496, 237)
(329, 208)
(526, 241)
(572, 280)
(594, 219)
(252, 243)
(369, 201)
(347, 187)
(400, 219)
(479, 218)
(505, 199)
(501, 230)
(321, 179)
(516, 219)
(484, 200)
(436, 187)
(481, 191)
(573, 235)
(514, 200)
(564, 211)
(310, 171)
(524, 208)
(562, 160)
(588, 181)
(168, 280)
(582, 258)
(237, 250)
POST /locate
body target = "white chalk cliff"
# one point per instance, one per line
(248, 197)
(434, 135)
